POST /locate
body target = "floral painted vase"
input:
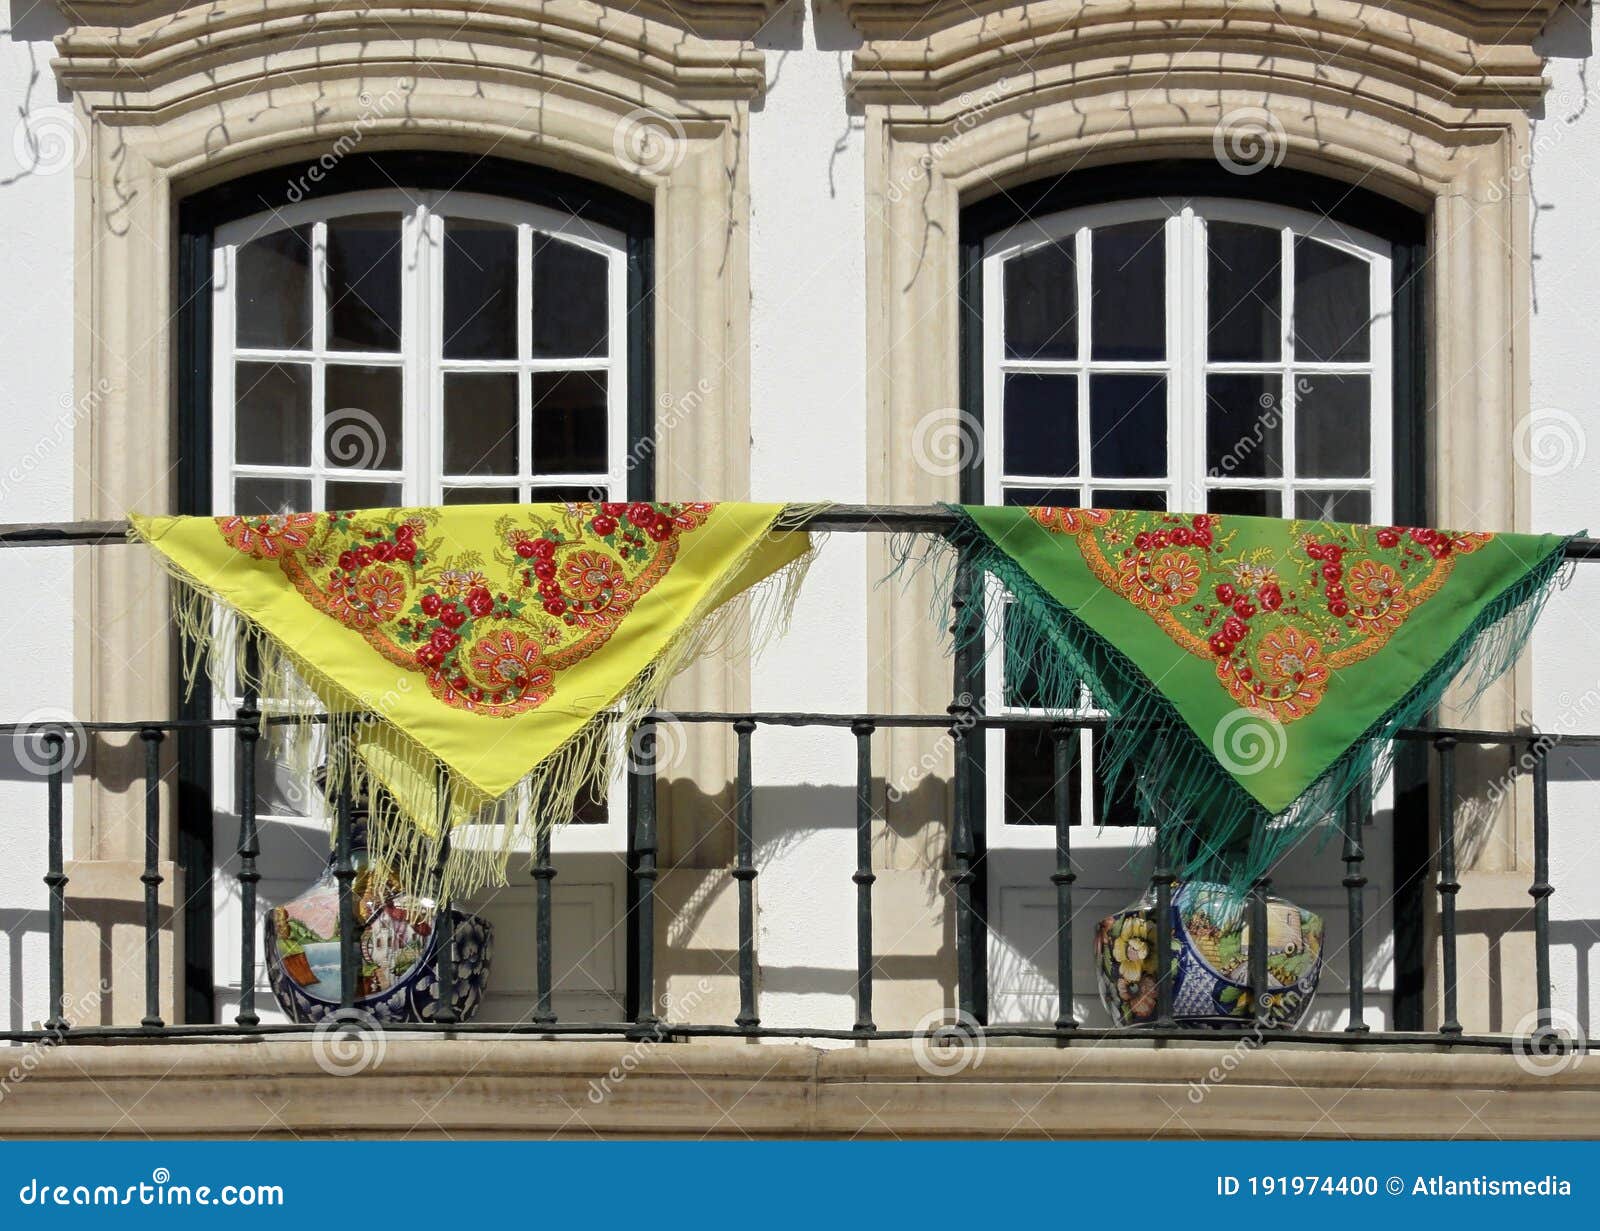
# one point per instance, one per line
(399, 938)
(1210, 960)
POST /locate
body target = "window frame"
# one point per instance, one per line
(1406, 230)
(199, 216)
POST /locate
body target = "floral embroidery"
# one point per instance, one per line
(1278, 628)
(490, 636)
(266, 537)
(1068, 521)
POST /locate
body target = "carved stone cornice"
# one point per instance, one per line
(1464, 54)
(707, 19)
(128, 58)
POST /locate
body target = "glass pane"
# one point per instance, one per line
(1041, 295)
(569, 422)
(1041, 497)
(591, 807)
(1334, 506)
(1129, 320)
(1244, 426)
(1333, 427)
(560, 493)
(364, 282)
(271, 495)
(1041, 425)
(1244, 503)
(349, 494)
(273, 303)
(1332, 303)
(1114, 498)
(1245, 292)
(361, 417)
(481, 495)
(272, 414)
(1031, 777)
(480, 290)
(480, 423)
(1128, 426)
(570, 294)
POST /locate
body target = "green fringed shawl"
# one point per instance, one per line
(1254, 669)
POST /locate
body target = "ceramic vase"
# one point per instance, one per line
(1210, 960)
(398, 938)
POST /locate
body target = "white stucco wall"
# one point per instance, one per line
(37, 416)
(808, 426)
(1560, 447)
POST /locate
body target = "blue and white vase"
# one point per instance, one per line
(398, 939)
(1209, 960)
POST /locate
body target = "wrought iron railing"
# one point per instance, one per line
(963, 720)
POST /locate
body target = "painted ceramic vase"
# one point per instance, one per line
(399, 937)
(1210, 960)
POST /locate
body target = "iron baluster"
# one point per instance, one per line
(1061, 738)
(1448, 885)
(744, 873)
(1355, 882)
(863, 876)
(151, 877)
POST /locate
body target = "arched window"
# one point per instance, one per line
(1180, 350)
(412, 329)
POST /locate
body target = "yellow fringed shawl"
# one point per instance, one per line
(504, 644)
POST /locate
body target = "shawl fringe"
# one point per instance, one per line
(1212, 829)
(465, 838)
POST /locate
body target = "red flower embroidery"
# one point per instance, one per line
(268, 536)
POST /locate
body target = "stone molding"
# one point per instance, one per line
(170, 102)
(1500, 32)
(1424, 102)
(497, 1087)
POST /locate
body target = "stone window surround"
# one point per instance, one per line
(1426, 102)
(175, 103)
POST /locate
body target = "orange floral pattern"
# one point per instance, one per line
(1279, 626)
(489, 636)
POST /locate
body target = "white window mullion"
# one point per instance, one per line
(1083, 267)
(1286, 394)
(319, 347)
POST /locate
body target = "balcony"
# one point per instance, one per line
(961, 1047)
